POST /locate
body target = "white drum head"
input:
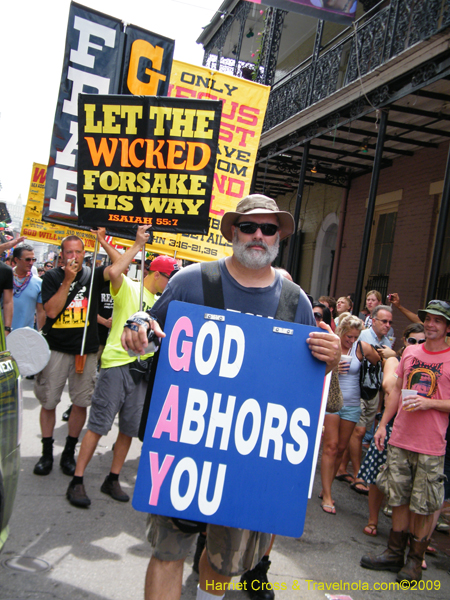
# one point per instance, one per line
(30, 350)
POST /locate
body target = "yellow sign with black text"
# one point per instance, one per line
(244, 106)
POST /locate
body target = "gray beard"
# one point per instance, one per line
(255, 259)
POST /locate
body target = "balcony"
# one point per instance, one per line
(376, 38)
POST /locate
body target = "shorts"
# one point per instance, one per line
(412, 478)
(368, 412)
(350, 413)
(115, 392)
(49, 383)
(230, 551)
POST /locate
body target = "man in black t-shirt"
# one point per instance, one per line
(6, 295)
(65, 294)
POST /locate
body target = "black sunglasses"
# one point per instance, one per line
(29, 259)
(414, 341)
(318, 316)
(164, 275)
(268, 229)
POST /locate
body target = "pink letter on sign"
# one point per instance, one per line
(179, 363)
(165, 425)
(158, 474)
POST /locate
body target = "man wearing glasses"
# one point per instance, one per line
(26, 290)
(376, 335)
(249, 285)
(122, 381)
(413, 479)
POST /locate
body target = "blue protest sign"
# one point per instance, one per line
(232, 423)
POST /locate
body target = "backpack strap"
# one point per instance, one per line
(289, 299)
(213, 292)
(212, 285)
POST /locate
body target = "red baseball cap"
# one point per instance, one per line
(164, 264)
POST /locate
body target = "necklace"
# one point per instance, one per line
(20, 283)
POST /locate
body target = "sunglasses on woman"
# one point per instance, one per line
(414, 341)
(249, 227)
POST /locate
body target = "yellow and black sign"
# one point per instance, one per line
(146, 161)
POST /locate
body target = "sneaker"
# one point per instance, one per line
(76, 495)
(113, 489)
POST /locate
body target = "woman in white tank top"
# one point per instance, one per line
(339, 426)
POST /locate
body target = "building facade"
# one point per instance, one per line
(355, 142)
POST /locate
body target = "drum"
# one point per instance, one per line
(30, 350)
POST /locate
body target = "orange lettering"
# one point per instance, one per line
(143, 49)
(124, 155)
(151, 153)
(136, 162)
(173, 153)
(204, 160)
(103, 150)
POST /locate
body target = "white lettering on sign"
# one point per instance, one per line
(80, 80)
(211, 419)
(233, 338)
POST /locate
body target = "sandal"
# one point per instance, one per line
(360, 490)
(371, 529)
(320, 496)
(330, 510)
(345, 477)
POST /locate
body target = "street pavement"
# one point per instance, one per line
(101, 553)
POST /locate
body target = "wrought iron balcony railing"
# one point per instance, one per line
(373, 40)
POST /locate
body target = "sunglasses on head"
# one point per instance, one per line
(413, 341)
(248, 227)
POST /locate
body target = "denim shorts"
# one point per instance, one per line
(350, 413)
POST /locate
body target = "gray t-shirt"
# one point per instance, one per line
(186, 286)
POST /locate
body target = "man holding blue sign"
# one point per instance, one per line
(245, 283)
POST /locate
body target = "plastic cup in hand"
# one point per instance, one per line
(405, 395)
(346, 360)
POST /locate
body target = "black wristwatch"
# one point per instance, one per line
(8, 329)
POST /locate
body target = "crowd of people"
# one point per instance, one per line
(407, 473)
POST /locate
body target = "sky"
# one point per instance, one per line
(32, 42)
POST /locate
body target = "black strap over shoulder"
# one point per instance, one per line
(213, 292)
(289, 299)
(212, 285)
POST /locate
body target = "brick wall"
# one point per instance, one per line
(415, 228)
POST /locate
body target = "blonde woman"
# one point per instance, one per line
(339, 426)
